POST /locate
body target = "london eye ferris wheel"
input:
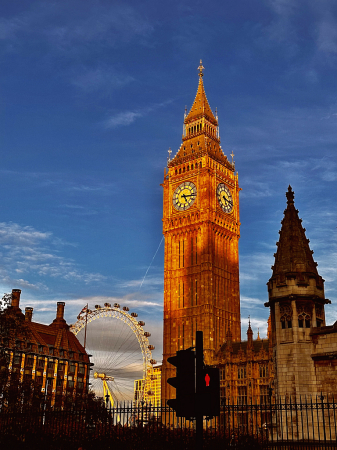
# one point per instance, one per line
(119, 349)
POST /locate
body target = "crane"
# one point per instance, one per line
(106, 390)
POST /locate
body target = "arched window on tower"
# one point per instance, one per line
(286, 315)
(304, 315)
(304, 321)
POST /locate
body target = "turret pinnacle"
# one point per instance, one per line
(293, 252)
(294, 264)
(250, 335)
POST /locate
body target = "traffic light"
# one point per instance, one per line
(184, 382)
(210, 391)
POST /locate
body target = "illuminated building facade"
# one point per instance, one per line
(51, 356)
(201, 228)
(152, 392)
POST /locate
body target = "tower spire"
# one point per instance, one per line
(293, 251)
(294, 267)
(200, 107)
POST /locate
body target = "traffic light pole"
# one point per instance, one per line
(197, 387)
(198, 374)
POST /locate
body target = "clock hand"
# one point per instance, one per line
(225, 199)
(228, 202)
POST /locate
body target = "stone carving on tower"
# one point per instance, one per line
(201, 229)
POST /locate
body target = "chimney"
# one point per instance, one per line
(59, 321)
(16, 298)
(60, 310)
(28, 314)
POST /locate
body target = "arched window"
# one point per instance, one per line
(304, 315)
(192, 167)
(304, 321)
(286, 315)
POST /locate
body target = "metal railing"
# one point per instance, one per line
(287, 424)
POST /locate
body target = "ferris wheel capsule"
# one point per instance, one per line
(134, 314)
(107, 305)
(98, 306)
(147, 334)
(125, 308)
(141, 323)
(117, 305)
(151, 347)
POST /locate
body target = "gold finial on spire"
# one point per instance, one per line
(201, 68)
(169, 156)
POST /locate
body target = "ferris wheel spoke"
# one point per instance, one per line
(119, 349)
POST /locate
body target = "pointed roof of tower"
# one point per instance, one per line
(293, 251)
(201, 106)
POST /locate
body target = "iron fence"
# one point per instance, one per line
(291, 424)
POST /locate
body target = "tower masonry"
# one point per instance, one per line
(300, 338)
(201, 229)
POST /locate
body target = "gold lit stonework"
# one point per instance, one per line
(201, 227)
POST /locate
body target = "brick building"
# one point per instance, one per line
(50, 355)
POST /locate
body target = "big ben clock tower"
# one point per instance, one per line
(201, 229)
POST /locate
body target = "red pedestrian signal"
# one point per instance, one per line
(210, 392)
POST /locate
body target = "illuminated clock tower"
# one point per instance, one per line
(201, 228)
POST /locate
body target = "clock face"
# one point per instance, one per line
(224, 198)
(184, 196)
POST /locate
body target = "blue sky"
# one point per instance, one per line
(92, 95)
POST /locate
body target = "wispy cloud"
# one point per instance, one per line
(30, 252)
(65, 25)
(100, 78)
(14, 234)
(327, 33)
(257, 325)
(124, 118)
(128, 117)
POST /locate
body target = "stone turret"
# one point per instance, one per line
(296, 301)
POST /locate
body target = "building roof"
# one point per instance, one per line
(56, 335)
(293, 251)
(258, 345)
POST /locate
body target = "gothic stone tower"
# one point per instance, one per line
(201, 228)
(296, 301)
